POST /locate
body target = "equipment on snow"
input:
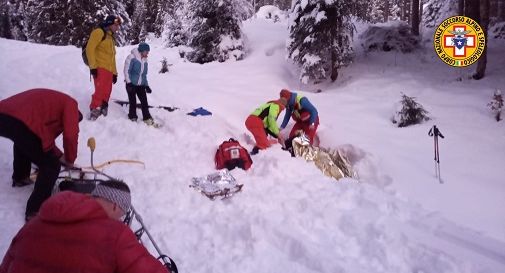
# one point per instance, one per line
(87, 185)
(332, 163)
(200, 111)
(168, 108)
(435, 133)
(231, 154)
(216, 184)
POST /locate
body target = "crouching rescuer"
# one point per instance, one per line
(76, 232)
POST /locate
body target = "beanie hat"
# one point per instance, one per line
(111, 20)
(114, 191)
(285, 94)
(144, 47)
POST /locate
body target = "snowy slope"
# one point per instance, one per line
(289, 217)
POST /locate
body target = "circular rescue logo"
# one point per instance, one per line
(459, 41)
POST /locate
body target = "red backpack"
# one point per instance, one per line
(231, 154)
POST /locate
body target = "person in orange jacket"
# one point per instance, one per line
(263, 121)
(74, 232)
(101, 55)
(33, 120)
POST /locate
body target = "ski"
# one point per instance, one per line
(167, 108)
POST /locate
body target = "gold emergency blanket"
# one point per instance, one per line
(331, 163)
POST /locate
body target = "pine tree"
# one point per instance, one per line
(175, 24)
(410, 112)
(15, 25)
(214, 31)
(496, 104)
(320, 38)
(138, 31)
(4, 21)
(62, 22)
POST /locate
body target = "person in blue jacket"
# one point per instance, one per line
(135, 73)
(303, 113)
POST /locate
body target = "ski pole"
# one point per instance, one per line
(170, 265)
(435, 133)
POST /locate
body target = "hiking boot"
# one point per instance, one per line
(104, 109)
(255, 150)
(133, 119)
(150, 122)
(22, 182)
(94, 113)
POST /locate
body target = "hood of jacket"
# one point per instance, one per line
(137, 55)
(67, 207)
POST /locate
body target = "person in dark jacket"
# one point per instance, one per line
(33, 120)
(135, 74)
(74, 232)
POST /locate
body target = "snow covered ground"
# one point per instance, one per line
(289, 217)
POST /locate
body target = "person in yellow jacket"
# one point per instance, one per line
(263, 121)
(101, 55)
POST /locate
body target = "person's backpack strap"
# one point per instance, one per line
(83, 53)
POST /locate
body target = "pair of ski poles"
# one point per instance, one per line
(167, 261)
(435, 133)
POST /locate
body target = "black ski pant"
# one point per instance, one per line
(27, 150)
(134, 92)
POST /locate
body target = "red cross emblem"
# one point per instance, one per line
(459, 40)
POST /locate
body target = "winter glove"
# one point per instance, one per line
(148, 90)
(64, 162)
(114, 79)
(93, 73)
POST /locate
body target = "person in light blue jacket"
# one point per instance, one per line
(135, 73)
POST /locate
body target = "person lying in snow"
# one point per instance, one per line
(33, 120)
(263, 121)
(303, 112)
(135, 74)
(75, 232)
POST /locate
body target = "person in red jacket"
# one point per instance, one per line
(33, 120)
(74, 232)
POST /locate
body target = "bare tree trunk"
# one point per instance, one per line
(421, 4)
(484, 23)
(386, 10)
(334, 67)
(472, 9)
(501, 10)
(461, 7)
(402, 10)
(407, 11)
(414, 14)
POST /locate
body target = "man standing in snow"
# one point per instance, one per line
(74, 232)
(135, 74)
(33, 120)
(263, 121)
(303, 112)
(101, 55)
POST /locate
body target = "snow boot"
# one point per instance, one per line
(22, 182)
(150, 122)
(104, 109)
(255, 150)
(94, 114)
